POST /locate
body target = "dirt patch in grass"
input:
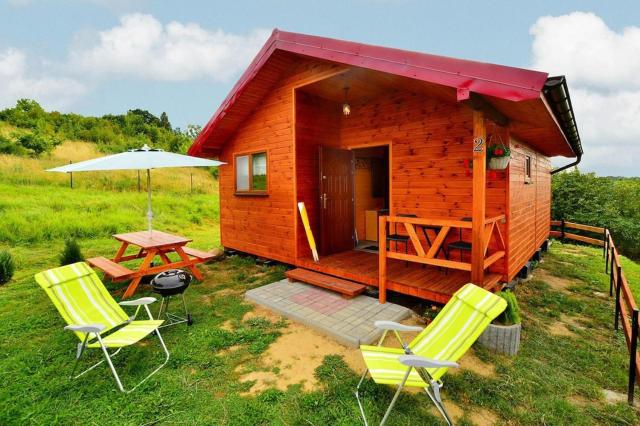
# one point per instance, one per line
(474, 364)
(574, 321)
(483, 417)
(556, 283)
(565, 325)
(228, 292)
(560, 329)
(578, 400)
(259, 311)
(613, 397)
(479, 416)
(227, 325)
(576, 253)
(294, 357)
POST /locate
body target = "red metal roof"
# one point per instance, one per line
(498, 81)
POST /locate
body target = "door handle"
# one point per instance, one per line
(323, 200)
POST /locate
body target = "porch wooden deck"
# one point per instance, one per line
(428, 283)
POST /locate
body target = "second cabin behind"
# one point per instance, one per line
(388, 151)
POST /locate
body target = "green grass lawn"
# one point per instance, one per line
(554, 379)
(557, 378)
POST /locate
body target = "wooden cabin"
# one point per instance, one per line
(388, 151)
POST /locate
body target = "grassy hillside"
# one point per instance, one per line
(18, 170)
(39, 210)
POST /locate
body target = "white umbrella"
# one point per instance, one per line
(138, 159)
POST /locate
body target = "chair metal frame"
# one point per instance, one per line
(412, 361)
(95, 329)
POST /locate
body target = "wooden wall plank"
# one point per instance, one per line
(530, 211)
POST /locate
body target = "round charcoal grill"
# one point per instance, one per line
(168, 284)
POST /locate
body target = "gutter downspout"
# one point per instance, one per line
(575, 163)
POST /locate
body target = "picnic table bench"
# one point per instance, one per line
(150, 245)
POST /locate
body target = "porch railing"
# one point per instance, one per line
(626, 314)
(429, 255)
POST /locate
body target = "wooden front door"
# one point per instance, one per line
(336, 200)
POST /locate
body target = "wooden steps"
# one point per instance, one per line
(347, 288)
(112, 269)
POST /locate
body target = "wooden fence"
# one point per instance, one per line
(626, 311)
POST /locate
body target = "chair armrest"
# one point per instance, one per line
(86, 328)
(395, 326)
(138, 302)
(419, 361)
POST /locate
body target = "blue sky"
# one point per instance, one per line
(73, 55)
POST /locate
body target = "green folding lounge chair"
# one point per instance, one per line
(427, 358)
(95, 317)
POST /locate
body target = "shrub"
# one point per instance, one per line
(36, 143)
(7, 146)
(600, 201)
(511, 314)
(71, 253)
(7, 267)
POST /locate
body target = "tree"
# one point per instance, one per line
(147, 117)
(193, 130)
(164, 121)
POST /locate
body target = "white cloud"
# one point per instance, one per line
(603, 71)
(19, 3)
(141, 46)
(16, 82)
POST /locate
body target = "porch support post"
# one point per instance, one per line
(479, 197)
(382, 259)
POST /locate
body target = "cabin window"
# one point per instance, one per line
(527, 169)
(251, 173)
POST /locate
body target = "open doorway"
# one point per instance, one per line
(371, 193)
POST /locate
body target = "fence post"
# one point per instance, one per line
(611, 272)
(139, 185)
(632, 355)
(606, 250)
(617, 283)
(562, 230)
(71, 176)
(604, 242)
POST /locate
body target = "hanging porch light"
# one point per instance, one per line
(346, 108)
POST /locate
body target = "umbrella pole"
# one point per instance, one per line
(149, 211)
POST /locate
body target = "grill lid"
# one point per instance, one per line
(171, 281)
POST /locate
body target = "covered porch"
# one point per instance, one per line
(422, 154)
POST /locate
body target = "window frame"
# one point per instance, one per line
(528, 169)
(250, 191)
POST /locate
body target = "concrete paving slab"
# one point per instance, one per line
(349, 321)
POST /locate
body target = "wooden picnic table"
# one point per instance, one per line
(150, 244)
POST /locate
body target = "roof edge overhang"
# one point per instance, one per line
(556, 93)
(509, 83)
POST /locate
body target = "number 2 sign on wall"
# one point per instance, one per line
(478, 145)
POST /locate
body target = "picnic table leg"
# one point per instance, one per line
(141, 272)
(164, 258)
(194, 270)
(120, 252)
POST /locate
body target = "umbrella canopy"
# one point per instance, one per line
(144, 158)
